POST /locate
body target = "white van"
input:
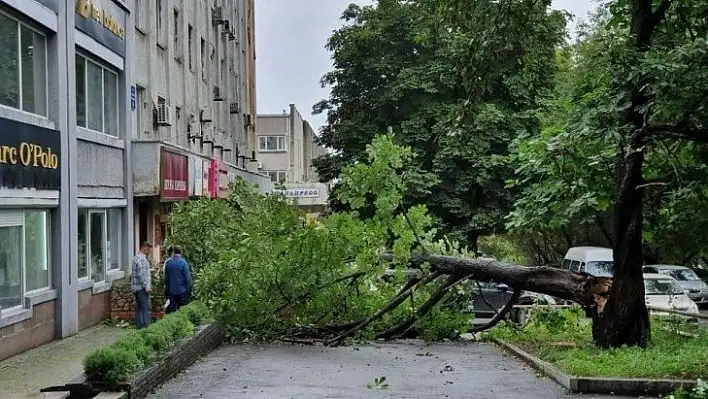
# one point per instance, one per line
(595, 261)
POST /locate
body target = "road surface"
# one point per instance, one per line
(412, 370)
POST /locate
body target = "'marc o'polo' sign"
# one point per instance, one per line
(30, 156)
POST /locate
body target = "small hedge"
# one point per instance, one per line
(133, 352)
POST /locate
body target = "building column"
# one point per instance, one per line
(130, 128)
(65, 248)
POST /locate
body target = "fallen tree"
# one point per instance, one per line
(279, 276)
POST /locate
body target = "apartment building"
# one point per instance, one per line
(195, 106)
(102, 102)
(65, 156)
(286, 148)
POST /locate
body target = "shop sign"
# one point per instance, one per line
(198, 177)
(218, 179)
(299, 192)
(174, 176)
(30, 156)
(104, 21)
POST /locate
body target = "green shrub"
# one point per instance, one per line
(157, 337)
(135, 342)
(197, 312)
(176, 325)
(111, 365)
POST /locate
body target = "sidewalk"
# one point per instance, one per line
(55, 363)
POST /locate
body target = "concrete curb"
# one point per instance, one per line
(600, 385)
(183, 354)
(180, 357)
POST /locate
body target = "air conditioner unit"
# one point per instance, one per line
(217, 94)
(247, 119)
(260, 164)
(234, 108)
(205, 115)
(232, 34)
(163, 115)
(217, 16)
(227, 25)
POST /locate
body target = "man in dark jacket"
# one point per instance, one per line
(178, 280)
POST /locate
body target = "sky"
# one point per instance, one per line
(290, 54)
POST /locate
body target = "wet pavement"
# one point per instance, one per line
(412, 370)
(55, 363)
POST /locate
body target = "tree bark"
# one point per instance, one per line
(583, 289)
(624, 320)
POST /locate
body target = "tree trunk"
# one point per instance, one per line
(583, 289)
(624, 319)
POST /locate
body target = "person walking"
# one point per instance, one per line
(141, 286)
(178, 280)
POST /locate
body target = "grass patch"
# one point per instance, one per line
(563, 337)
(115, 364)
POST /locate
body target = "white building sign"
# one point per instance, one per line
(299, 192)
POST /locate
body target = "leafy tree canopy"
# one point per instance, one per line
(457, 83)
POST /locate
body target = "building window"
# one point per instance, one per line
(23, 60)
(24, 254)
(99, 233)
(271, 143)
(202, 54)
(277, 176)
(96, 96)
(190, 47)
(177, 36)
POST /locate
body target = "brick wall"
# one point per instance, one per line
(30, 333)
(122, 303)
(93, 309)
(180, 357)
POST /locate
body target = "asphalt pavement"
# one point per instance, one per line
(412, 370)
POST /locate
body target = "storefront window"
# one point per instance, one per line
(83, 251)
(23, 67)
(114, 239)
(37, 249)
(10, 266)
(96, 96)
(24, 254)
(99, 242)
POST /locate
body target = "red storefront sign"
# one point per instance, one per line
(174, 176)
(218, 179)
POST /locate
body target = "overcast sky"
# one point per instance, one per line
(290, 53)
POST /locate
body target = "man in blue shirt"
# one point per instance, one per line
(178, 280)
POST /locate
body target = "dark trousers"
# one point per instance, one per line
(177, 301)
(143, 310)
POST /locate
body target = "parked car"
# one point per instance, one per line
(692, 285)
(595, 261)
(497, 295)
(492, 296)
(663, 292)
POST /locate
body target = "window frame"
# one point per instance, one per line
(106, 234)
(177, 36)
(35, 30)
(104, 68)
(264, 140)
(277, 173)
(23, 272)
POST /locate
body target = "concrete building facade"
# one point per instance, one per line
(65, 156)
(195, 106)
(286, 148)
(110, 112)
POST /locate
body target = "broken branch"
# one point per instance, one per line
(402, 295)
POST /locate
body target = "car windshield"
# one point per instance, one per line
(600, 268)
(661, 287)
(683, 274)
